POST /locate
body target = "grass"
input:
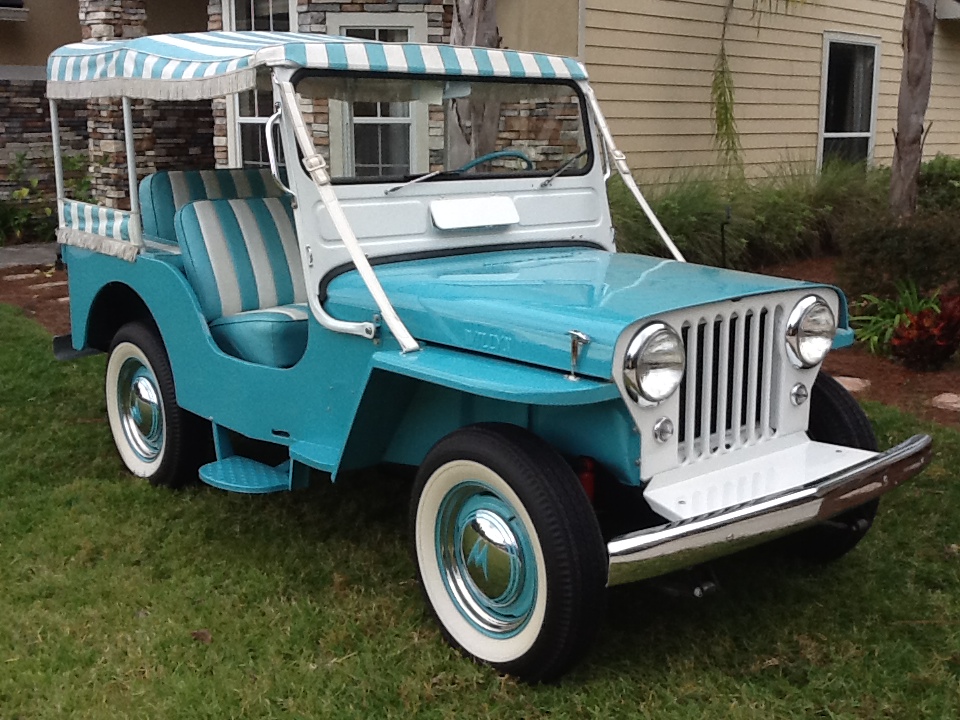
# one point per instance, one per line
(311, 611)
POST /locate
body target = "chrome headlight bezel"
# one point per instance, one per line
(637, 363)
(807, 348)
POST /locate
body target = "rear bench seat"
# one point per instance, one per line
(241, 257)
(164, 193)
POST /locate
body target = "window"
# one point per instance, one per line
(251, 109)
(849, 99)
(377, 133)
(378, 139)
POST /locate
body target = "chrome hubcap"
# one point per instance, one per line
(141, 413)
(486, 559)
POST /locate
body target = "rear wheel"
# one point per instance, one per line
(508, 550)
(836, 418)
(156, 439)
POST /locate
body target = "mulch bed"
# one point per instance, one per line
(41, 293)
(890, 382)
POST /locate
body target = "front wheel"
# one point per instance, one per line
(156, 439)
(508, 550)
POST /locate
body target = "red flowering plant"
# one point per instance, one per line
(927, 339)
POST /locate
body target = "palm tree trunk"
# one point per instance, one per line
(471, 125)
(919, 24)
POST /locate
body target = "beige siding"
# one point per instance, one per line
(652, 64)
(550, 26)
(49, 24)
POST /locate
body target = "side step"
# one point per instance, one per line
(240, 474)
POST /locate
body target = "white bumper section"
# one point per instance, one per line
(824, 491)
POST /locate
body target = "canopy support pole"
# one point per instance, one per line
(57, 159)
(136, 233)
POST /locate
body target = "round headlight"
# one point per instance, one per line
(810, 331)
(654, 365)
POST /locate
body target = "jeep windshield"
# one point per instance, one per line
(405, 130)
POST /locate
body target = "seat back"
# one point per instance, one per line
(241, 255)
(164, 193)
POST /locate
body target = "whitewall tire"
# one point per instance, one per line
(155, 438)
(508, 550)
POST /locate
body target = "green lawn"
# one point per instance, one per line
(312, 611)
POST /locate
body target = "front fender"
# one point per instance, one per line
(412, 401)
(494, 378)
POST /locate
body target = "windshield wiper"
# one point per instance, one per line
(420, 179)
(560, 170)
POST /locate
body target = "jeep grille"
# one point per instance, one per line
(725, 397)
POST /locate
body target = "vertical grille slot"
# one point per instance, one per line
(726, 394)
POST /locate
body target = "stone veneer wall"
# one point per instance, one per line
(25, 129)
(312, 18)
(167, 135)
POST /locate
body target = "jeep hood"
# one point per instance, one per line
(520, 304)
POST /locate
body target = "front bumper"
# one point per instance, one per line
(662, 549)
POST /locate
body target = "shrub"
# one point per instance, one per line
(878, 251)
(876, 320)
(845, 193)
(926, 340)
(939, 186)
(25, 215)
(792, 213)
(691, 210)
(77, 182)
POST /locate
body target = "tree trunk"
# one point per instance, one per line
(919, 23)
(470, 130)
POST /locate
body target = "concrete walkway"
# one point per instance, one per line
(35, 254)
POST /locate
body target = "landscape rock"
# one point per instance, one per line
(947, 401)
(852, 384)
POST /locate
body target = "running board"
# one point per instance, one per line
(243, 475)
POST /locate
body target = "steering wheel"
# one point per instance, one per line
(528, 163)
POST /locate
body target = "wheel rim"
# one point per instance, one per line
(140, 409)
(486, 559)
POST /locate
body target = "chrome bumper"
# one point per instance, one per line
(662, 549)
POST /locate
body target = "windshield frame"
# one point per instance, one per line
(450, 175)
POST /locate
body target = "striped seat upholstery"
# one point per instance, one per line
(241, 257)
(163, 193)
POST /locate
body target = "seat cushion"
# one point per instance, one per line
(241, 255)
(163, 193)
(276, 337)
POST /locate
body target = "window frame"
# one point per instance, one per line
(234, 118)
(593, 142)
(416, 25)
(841, 38)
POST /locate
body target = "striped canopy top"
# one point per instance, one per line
(194, 66)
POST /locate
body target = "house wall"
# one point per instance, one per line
(550, 26)
(170, 16)
(24, 112)
(49, 24)
(652, 66)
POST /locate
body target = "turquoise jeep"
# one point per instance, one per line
(426, 275)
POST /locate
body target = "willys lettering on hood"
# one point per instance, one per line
(521, 304)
